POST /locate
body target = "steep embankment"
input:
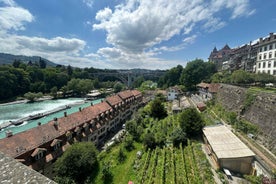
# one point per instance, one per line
(257, 107)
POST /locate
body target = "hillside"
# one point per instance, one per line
(9, 59)
(256, 106)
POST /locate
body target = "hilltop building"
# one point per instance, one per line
(219, 56)
(266, 60)
(39, 147)
(258, 56)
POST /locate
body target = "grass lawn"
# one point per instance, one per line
(121, 172)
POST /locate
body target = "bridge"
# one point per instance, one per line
(127, 77)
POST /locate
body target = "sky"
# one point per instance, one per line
(126, 34)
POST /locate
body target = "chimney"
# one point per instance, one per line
(65, 114)
(9, 133)
(260, 40)
(80, 109)
(270, 35)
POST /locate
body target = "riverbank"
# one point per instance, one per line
(25, 101)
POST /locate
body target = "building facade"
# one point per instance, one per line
(39, 147)
(266, 59)
(258, 56)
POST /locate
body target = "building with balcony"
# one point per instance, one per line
(39, 147)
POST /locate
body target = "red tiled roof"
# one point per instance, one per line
(213, 88)
(114, 100)
(203, 85)
(36, 137)
(136, 93)
(125, 94)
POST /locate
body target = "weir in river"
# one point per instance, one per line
(28, 113)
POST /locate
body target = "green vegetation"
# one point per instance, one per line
(194, 72)
(77, 164)
(241, 77)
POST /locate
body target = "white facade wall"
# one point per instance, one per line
(266, 59)
(172, 95)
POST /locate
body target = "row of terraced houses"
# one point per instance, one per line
(39, 147)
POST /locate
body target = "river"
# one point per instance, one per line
(14, 112)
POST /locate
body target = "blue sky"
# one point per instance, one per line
(126, 34)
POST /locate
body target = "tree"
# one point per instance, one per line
(78, 162)
(241, 77)
(128, 143)
(118, 87)
(178, 136)
(42, 63)
(196, 71)
(171, 77)
(149, 140)
(157, 109)
(33, 96)
(191, 122)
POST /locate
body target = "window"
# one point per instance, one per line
(260, 56)
(259, 66)
(265, 48)
(270, 55)
(39, 155)
(265, 56)
(57, 146)
(269, 64)
(274, 72)
(274, 63)
(270, 47)
(275, 54)
(263, 64)
(261, 49)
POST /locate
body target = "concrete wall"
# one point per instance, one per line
(240, 165)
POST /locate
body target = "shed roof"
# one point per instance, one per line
(225, 144)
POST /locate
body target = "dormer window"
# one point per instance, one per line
(69, 135)
(38, 153)
(56, 144)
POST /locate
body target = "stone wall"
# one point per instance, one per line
(261, 112)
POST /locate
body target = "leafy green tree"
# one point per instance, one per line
(196, 71)
(32, 96)
(241, 77)
(191, 122)
(42, 63)
(78, 162)
(128, 143)
(118, 87)
(134, 129)
(178, 136)
(149, 140)
(69, 70)
(54, 91)
(148, 85)
(171, 77)
(157, 109)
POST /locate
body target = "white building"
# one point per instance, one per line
(173, 93)
(266, 58)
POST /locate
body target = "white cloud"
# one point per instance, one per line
(136, 27)
(88, 3)
(104, 14)
(13, 16)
